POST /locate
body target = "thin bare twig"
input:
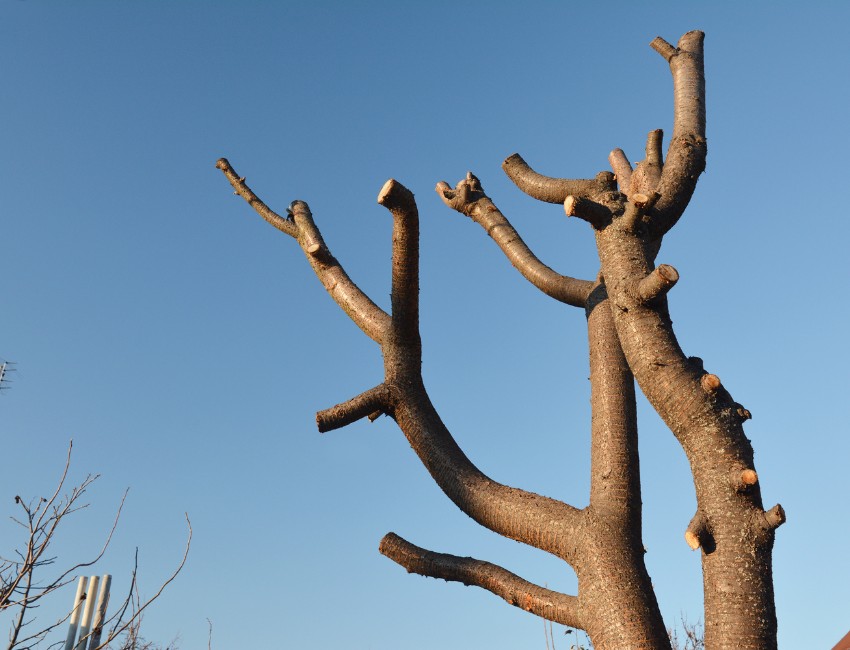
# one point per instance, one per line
(138, 610)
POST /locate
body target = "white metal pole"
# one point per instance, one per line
(100, 612)
(85, 624)
(75, 614)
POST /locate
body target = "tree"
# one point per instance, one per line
(30, 574)
(631, 338)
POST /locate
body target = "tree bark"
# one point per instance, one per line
(736, 536)
(614, 576)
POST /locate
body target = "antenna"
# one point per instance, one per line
(5, 366)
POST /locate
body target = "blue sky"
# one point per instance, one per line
(185, 345)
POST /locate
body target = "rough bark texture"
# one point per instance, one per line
(630, 338)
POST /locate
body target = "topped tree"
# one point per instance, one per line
(631, 337)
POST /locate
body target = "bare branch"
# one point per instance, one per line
(530, 518)
(52, 499)
(481, 209)
(687, 150)
(360, 309)
(657, 283)
(309, 237)
(467, 197)
(377, 399)
(554, 190)
(775, 517)
(42, 522)
(524, 516)
(596, 214)
(647, 174)
(300, 225)
(20, 587)
(551, 605)
(663, 48)
(138, 612)
(405, 265)
(696, 531)
(24, 603)
(615, 475)
(241, 189)
(622, 169)
(687, 68)
(639, 204)
(653, 147)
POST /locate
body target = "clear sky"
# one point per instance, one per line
(185, 345)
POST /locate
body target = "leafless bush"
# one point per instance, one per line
(32, 572)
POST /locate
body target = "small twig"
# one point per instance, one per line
(137, 614)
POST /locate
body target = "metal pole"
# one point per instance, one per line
(85, 625)
(100, 612)
(75, 614)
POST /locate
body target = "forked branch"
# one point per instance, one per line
(530, 518)
(687, 151)
(299, 225)
(675, 178)
(240, 188)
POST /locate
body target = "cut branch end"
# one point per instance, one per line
(644, 202)
(639, 204)
(663, 48)
(710, 383)
(744, 478)
(695, 532)
(394, 195)
(653, 147)
(743, 413)
(365, 405)
(775, 517)
(622, 169)
(596, 214)
(749, 477)
(657, 283)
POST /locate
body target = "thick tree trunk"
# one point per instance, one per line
(613, 575)
(731, 526)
